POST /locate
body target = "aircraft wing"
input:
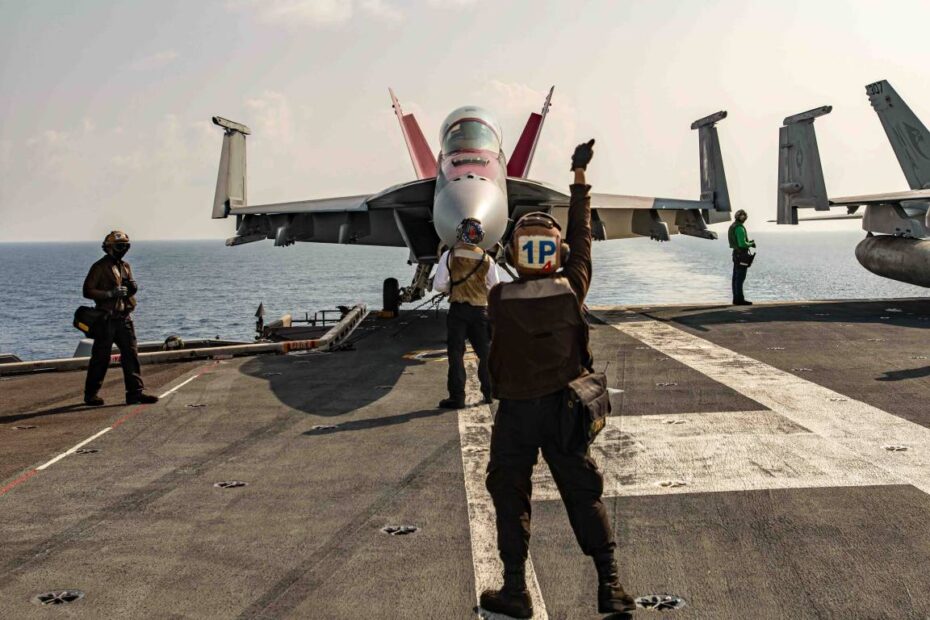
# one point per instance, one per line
(881, 199)
(801, 182)
(615, 216)
(399, 216)
(322, 205)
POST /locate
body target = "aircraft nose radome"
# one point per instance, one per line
(471, 198)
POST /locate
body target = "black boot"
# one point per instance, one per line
(141, 398)
(452, 403)
(513, 599)
(611, 597)
(93, 401)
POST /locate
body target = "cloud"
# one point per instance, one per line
(155, 61)
(382, 10)
(273, 117)
(452, 3)
(512, 103)
(317, 13)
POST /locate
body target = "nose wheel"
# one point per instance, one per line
(391, 295)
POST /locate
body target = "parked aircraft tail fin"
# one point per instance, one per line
(713, 178)
(800, 173)
(424, 161)
(230, 180)
(522, 158)
(908, 136)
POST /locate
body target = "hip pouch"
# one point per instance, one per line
(88, 319)
(744, 258)
(587, 407)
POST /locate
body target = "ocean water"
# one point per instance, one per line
(204, 289)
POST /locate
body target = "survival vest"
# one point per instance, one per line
(468, 270)
(540, 341)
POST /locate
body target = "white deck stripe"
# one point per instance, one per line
(859, 429)
(475, 435)
(74, 449)
(179, 386)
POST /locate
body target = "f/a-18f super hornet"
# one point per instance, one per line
(470, 178)
(897, 243)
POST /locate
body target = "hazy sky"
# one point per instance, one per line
(105, 106)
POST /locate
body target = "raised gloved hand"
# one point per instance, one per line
(583, 154)
(119, 292)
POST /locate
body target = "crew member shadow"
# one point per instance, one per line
(53, 411)
(391, 420)
(903, 375)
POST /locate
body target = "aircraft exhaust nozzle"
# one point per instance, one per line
(471, 197)
(897, 258)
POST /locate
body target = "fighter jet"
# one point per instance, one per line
(897, 224)
(470, 177)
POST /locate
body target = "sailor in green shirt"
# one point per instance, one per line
(742, 257)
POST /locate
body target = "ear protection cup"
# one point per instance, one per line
(564, 252)
(508, 255)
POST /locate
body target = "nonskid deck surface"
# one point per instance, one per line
(768, 462)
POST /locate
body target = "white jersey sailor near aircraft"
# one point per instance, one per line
(466, 273)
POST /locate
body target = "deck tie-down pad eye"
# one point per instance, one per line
(399, 530)
(230, 484)
(57, 597)
(660, 602)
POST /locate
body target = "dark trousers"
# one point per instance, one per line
(119, 330)
(521, 429)
(471, 322)
(739, 277)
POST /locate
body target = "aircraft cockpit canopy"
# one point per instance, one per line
(470, 128)
(470, 134)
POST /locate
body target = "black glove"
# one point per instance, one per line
(583, 154)
(131, 286)
(118, 293)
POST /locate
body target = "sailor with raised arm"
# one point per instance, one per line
(550, 398)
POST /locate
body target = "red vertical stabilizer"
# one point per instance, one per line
(519, 163)
(424, 162)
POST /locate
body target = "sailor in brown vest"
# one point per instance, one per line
(111, 285)
(466, 273)
(539, 345)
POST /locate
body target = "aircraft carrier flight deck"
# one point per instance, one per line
(770, 461)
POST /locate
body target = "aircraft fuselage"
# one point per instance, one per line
(471, 180)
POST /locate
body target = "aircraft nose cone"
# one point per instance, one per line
(474, 198)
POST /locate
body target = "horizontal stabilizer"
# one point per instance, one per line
(519, 163)
(424, 161)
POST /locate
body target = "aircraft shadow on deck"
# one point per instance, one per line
(914, 313)
(903, 375)
(340, 382)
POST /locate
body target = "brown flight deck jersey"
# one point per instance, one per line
(105, 275)
(540, 337)
(468, 271)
